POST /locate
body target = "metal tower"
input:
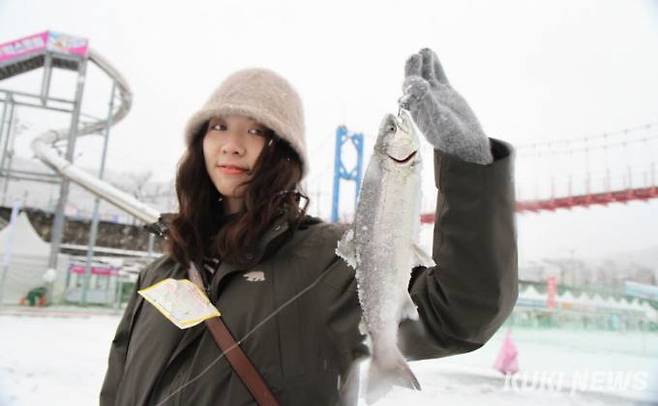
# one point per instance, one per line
(340, 172)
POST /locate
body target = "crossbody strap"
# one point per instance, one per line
(236, 357)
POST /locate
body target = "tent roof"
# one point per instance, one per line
(25, 240)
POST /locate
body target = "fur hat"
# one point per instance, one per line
(262, 95)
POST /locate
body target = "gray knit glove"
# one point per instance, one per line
(440, 112)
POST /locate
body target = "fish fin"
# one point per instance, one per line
(408, 310)
(421, 258)
(382, 377)
(346, 248)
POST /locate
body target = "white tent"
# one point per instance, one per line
(531, 298)
(28, 261)
(619, 304)
(567, 297)
(600, 303)
(651, 313)
(637, 305)
(531, 293)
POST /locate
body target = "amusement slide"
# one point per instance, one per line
(49, 49)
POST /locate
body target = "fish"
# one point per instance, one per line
(382, 246)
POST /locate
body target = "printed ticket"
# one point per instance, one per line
(180, 301)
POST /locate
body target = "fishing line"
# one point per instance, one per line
(250, 332)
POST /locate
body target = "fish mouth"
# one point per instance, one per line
(405, 160)
(403, 120)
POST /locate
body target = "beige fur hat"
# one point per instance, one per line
(263, 95)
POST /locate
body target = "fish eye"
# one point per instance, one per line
(391, 128)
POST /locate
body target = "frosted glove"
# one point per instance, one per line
(440, 112)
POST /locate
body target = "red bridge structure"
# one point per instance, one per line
(613, 167)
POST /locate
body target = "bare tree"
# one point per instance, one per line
(137, 187)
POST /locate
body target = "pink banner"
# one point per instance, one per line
(24, 46)
(47, 40)
(95, 270)
(67, 44)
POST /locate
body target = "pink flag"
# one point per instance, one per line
(507, 361)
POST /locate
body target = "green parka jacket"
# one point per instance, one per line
(305, 352)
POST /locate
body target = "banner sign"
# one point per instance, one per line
(47, 40)
(95, 270)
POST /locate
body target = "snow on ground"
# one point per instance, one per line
(62, 356)
(595, 367)
(48, 358)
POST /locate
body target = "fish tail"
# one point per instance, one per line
(382, 376)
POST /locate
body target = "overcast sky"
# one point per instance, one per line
(532, 70)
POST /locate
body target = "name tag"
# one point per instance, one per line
(180, 301)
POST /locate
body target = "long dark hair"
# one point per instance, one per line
(196, 231)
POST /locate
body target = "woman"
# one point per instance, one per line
(272, 271)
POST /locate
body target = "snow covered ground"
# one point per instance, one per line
(62, 356)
